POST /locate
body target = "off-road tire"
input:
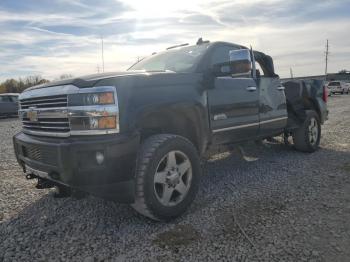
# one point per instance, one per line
(301, 137)
(151, 152)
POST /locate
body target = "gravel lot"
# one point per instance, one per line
(287, 206)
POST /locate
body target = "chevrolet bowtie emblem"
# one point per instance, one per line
(32, 114)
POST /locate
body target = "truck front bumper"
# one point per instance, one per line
(73, 162)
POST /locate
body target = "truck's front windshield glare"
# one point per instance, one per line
(177, 60)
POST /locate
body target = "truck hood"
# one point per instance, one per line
(91, 80)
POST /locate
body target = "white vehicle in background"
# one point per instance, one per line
(339, 87)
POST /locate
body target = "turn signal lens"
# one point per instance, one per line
(105, 122)
(106, 98)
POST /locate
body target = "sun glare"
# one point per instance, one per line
(161, 9)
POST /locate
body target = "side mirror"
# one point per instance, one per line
(240, 62)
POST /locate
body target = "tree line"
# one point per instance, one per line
(19, 85)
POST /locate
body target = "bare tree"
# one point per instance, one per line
(17, 86)
(65, 76)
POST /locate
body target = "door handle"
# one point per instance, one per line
(251, 88)
(281, 88)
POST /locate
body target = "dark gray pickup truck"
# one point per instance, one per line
(8, 104)
(137, 136)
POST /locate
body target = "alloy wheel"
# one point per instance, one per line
(172, 179)
(313, 131)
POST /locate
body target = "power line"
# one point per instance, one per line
(327, 54)
(102, 53)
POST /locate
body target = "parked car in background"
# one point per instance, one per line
(339, 87)
(8, 104)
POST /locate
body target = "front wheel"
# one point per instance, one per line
(167, 177)
(307, 137)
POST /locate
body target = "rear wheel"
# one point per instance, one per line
(307, 137)
(167, 177)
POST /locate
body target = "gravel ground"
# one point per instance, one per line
(287, 206)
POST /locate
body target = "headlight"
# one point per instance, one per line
(94, 112)
(94, 123)
(86, 99)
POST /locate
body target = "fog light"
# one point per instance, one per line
(99, 158)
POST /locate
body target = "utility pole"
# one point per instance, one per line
(327, 54)
(291, 73)
(103, 59)
(98, 69)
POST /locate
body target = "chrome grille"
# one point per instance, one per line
(50, 115)
(45, 102)
(47, 124)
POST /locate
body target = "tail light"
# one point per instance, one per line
(325, 94)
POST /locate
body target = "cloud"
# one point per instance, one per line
(63, 36)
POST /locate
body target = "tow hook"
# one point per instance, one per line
(42, 184)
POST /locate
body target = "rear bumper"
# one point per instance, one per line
(337, 90)
(72, 162)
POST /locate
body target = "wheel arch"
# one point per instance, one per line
(311, 104)
(183, 122)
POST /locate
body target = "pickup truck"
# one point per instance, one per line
(8, 104)
(138, 136)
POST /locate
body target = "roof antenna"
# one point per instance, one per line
(199, 41)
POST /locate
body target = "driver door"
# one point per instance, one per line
(233, 104)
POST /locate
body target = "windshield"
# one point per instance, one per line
(178, 60)
(334, 84)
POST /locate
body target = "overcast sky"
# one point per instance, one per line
(54, 37)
